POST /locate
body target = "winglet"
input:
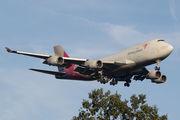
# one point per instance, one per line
(9, 50)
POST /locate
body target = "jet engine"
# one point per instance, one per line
(162, 79)
(94, 64)
(153, 74)
(55, 61)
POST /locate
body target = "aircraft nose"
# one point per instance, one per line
(170, 48)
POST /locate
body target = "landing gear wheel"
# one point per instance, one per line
(129, 81)
(126, 84)
(111, 83)
(135, 78)
(157, 68)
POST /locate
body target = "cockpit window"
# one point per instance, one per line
(160, 40)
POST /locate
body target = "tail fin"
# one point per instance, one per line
(59, 51)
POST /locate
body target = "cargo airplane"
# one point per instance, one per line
(122, 66)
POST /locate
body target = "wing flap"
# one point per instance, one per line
(48, 72)
(83, 70)
(74, 60)
(119, 63)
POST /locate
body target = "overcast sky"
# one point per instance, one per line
(85, 29)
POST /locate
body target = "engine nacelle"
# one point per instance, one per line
(55, 61)
(153, 74)
(94, 64)
(162, 79)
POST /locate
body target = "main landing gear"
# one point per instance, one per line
(127, 83)
(103, 80)
(114, 82)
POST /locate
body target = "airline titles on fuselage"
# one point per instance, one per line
(133, 52)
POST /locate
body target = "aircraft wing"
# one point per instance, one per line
(69, 61)
(81, 61)
(48, 72)
(28, 54)
(78, 61)
(66, 59)
(90, 67)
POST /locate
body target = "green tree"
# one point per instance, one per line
(107, 106)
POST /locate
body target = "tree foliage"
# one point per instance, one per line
(107, 106)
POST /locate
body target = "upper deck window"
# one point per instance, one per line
(160, 40)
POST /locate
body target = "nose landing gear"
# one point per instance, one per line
(157, 67)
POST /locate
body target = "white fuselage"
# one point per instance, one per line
(142, 54)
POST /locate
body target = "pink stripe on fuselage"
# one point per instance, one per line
(72, 74)
(75, 75)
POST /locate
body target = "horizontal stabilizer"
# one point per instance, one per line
(9, 50)
(49, 72)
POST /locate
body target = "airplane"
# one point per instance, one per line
(122, 66)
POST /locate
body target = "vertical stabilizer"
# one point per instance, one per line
(59, 51)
